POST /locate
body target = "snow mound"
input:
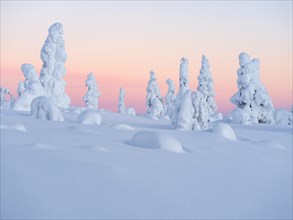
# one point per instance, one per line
(89, 117)
(270, 144)
(15, 126)
(155, 140)
(123, 127)
(225, 131)
(131, 111)
(45, 109)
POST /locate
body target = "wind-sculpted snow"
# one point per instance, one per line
(67, 170)
(156, 140)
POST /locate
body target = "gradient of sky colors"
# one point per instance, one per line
(121, 41)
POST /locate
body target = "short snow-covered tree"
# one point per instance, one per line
(206, 85)
(91, 98)
(283, 117)
(54, 57)
(121, 103)
(154, 100)
(3, 102)
(45, 109)
(183, 87)
(193, 113)
(252, 97)
(20, 88)
(170, 97)
(32, 88)
(131, 111)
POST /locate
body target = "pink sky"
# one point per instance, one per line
(120, 42)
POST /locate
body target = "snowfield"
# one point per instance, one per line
(68, 170)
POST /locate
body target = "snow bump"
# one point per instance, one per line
(155, 140)
(225, 131)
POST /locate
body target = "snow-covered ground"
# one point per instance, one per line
(70, 170)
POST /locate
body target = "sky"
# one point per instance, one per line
(120, 42)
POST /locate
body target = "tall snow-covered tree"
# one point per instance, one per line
(252, 97)
(154, 100)
(32, 88)
(121, 103)
(53, 70)
(20, 88)
(91, 98)
(170, 97)
(183, 87)
(206, 85)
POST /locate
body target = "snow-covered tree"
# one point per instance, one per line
(183, 87)
(170, 97)
(121, 104)
(3, 102)
(91, 98)
(252, 96)
(283, 117)
(193, 113)
(32, 88)
(54, 57)
(154, 98)
(206, 85)
(20, 88)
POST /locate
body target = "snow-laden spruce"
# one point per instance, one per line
(3, 102)
(91, 98)
(252, 96)
(32, 88)
(154, 100)
(170, 97)
(206, 86)
(45, 109)
(54, 57)
(183, 87)
(121, 103)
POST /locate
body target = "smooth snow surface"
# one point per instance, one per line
(66, 170)
(124, 127)
(89, 117)
(153, 140)
(224, 130)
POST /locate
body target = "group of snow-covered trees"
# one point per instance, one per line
(50, 83)
(188, 110)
